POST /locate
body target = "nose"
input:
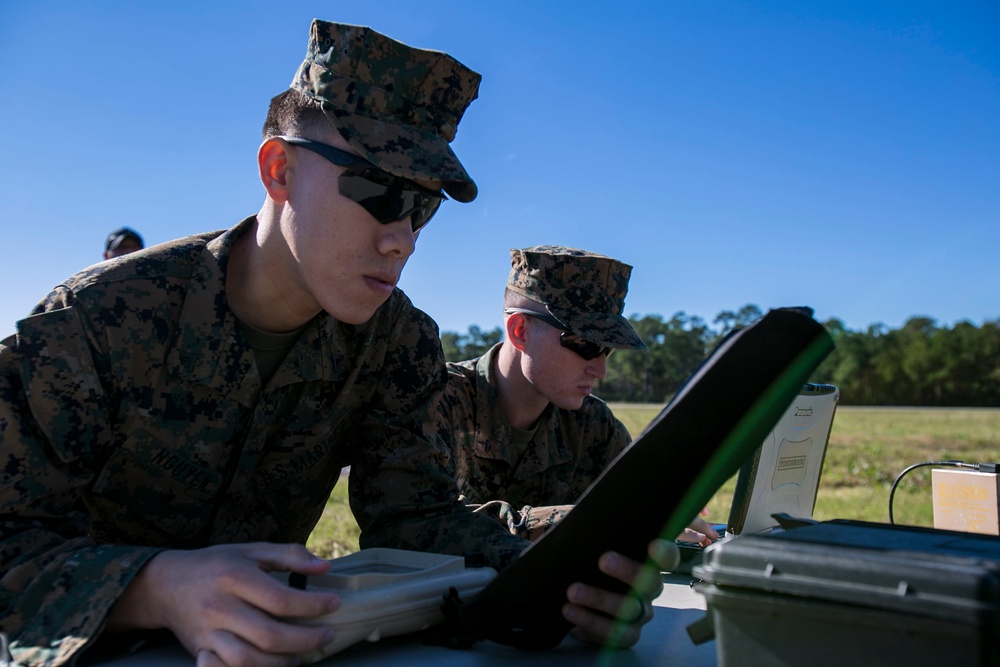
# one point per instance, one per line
(598, 366)
(397, 238)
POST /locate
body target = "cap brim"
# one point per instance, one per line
(120, 239)
(406, 151)
(605, 329)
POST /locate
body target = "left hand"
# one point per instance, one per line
(614, 619)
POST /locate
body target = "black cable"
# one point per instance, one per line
(955, 464)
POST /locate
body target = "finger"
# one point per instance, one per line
(599, 629)
(229, 649)
(609, 618)
(279, 599)
(690, 535)
(701, 526)
(632, 610)
(643, 579)
(646, 615)
(248, 626)
(274, 595)
(607, 603)
(286, 558)
(594, 598)
(207, 658)
(665, 554)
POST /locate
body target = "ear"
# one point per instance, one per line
(517, 330)
(272, 164)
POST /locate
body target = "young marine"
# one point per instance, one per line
(172, 423)
(527, 434)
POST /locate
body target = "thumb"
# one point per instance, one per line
(665, 554)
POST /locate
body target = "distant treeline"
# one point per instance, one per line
(920, 364)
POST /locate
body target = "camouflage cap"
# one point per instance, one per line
(398, 106)
(583, 290)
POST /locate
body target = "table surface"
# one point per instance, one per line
(664, 641)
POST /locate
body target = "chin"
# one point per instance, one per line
(353, 316)
(571, 403)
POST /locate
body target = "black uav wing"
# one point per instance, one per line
(661, 481)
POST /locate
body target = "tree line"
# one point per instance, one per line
(919, 364)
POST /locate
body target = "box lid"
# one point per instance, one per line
(941, 574)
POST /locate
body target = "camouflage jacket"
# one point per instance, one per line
(568, 451)
(132, 419)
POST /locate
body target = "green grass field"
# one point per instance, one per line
(868, 448)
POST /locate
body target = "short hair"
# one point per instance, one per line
(512, 299)
(294, 114)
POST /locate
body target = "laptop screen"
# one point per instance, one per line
(783, 474)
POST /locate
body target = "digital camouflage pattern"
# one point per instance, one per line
(528, 522)
(583, 290)
(398, 106)
(133, 419)
(530, 491)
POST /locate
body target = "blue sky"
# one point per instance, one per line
(841, 155)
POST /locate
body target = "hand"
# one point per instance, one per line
(613, 619)
(224, 607)
(699, 532)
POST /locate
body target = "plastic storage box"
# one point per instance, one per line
(854, 593)
(387, 592)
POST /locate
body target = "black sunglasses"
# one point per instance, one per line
(387, 197)
(567, 338)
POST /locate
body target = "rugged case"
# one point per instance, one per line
(854, 593)
(387, 592)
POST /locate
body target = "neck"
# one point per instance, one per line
(520, 402)
(260, 286)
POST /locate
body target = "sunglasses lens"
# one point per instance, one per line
(584, 348)
(388, 198)
(423, 214)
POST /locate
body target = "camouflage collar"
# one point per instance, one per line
(493, 433)
(210, 348)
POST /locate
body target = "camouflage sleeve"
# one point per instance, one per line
(532, 522)
(528, 522)
(401, 491)
(56, 585)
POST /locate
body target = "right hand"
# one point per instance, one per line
(700, 532)
(224, 607)
(614, 619)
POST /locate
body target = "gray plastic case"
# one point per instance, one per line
(854, 593)
(387, 592)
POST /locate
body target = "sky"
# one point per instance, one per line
(840, 155)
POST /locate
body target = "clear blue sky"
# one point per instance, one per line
(842, 155)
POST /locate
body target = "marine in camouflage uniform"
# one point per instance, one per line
(134, 417)
(528, 478)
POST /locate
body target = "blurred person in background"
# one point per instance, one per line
(122, 241)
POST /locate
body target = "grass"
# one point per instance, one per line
(868, 448)
(337, 532)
